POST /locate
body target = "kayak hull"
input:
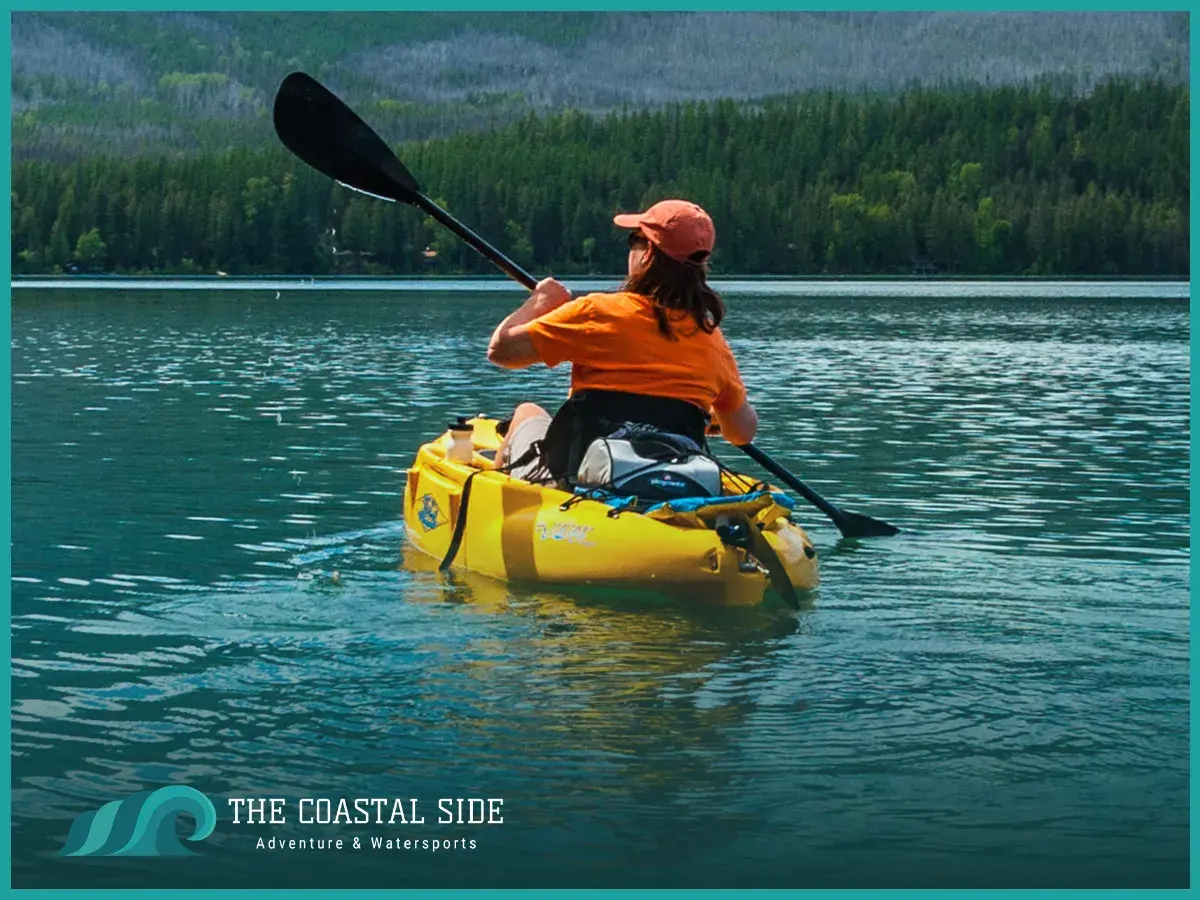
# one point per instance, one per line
(525, 533)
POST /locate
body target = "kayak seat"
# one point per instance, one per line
(651, 465)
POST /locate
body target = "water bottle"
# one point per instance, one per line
(461, 448)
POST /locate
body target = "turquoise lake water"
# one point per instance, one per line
(210, 587)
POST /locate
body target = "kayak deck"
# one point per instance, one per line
(520, 532)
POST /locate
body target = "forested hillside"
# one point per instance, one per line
(120, 83)
(974, 181)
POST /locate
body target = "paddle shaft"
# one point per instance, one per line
(485, 249)
(324, 132)
(793, 482)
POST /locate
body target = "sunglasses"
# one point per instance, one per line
(637, 239)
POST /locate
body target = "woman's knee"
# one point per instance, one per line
(527, 411)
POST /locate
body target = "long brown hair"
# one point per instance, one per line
(679, 288)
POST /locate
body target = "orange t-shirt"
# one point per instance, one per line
(614, 343)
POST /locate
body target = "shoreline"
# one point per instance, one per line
(791, 288)
(20, 280)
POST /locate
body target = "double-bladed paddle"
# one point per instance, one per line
(325, 133)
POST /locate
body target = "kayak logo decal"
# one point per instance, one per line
(562, 531)
(141, 825)
(430, 515)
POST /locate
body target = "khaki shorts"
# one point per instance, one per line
(520, 439)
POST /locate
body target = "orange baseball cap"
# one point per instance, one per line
(678, 228)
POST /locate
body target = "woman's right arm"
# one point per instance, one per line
(511, 346)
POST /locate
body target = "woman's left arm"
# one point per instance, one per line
(511, 347)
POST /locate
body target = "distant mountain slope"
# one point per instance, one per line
(132, 82)
(649, 59)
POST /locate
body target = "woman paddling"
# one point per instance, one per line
(652, 353)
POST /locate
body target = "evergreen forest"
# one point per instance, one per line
(1004, 180)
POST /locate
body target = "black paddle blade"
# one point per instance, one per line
(328, 135)
(856, 525)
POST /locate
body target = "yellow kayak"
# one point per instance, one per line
(521, 532)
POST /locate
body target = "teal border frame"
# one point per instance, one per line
(6, 456)
(1193, 842)
(525, 6)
